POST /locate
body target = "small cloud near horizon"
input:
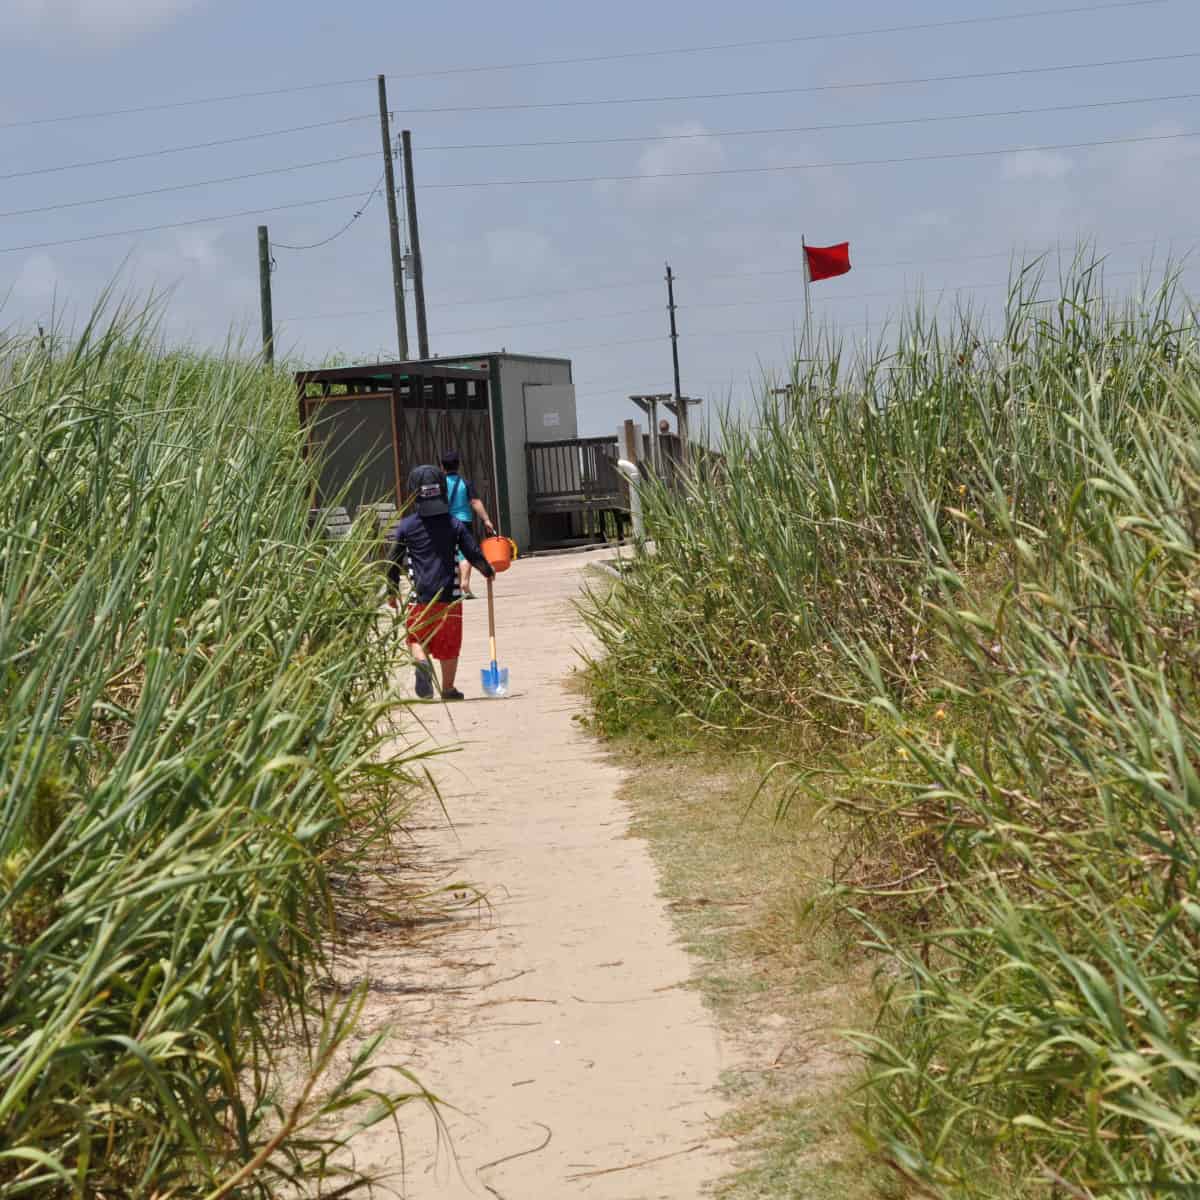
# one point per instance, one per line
(103, 23)
(1036, 164)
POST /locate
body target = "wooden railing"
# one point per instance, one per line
(575, 473)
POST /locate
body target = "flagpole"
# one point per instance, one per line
(808, 348)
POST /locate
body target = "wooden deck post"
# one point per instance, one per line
(630, 435)
(630, 440)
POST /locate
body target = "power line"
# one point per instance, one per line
(630, 312)
(643, 341)
(228, 141)
(924, 26)
(707, 334)
(763, 303)
(825, 128)
(358, 212)
(942, 157)
(939, 261)
(182, 187)
(929, 119)
(795, 331)
(960, 77)
(338, 316)
(176, 104)
(642, 281)
(115, 233)
(605, 141)
(462, 302)
(921, 27)
(701, 377)
(860, 162)
(640, 388)
(638, 312)
(949, 289)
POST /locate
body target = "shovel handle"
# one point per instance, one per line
(491, 621)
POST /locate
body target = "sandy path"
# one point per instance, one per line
(561, 1016)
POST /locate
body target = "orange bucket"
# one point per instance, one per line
(499, 551)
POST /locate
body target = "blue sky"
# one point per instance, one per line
(576, 268)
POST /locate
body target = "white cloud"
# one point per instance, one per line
(1035, 165)
(107, 22)
(818, 190)
(1119, 192)
(179, 254)
(205, 281)
(39, 279)
(1153, 173)
(932, 218)
(518, 251)
(198, 248)
(691, 148)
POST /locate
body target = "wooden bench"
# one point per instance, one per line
(335, 521)
(384, 512)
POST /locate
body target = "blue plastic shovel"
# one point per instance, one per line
(495, 679)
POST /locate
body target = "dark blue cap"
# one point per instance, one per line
(428, 487)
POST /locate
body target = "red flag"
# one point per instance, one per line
(824, 262)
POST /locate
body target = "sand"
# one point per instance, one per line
(556, 1018)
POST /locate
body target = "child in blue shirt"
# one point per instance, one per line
(465, 506)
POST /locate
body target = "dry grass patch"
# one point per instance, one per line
(740, 886)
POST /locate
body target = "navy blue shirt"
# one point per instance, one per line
(429, 545)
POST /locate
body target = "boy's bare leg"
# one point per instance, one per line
(464, 576)
(449, 671)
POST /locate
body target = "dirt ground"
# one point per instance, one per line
(550, 1017)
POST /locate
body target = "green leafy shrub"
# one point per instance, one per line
(193, 686)
(959, 587)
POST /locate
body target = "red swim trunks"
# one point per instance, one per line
(438, 627)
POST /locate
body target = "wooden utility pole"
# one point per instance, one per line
(418, 271)
(264, 294)
(389, 178)
(681, 413)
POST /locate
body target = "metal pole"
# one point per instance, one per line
(418, 270)
(808, 346)
(264, 293)
(681, 414)
(389, 177)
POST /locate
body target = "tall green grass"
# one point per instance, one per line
(959, 587)
(192, 693)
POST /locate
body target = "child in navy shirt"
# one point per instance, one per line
(429, 538)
